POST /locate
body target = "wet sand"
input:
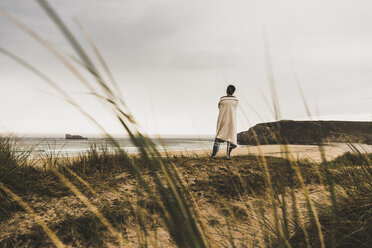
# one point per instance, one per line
(309, 152)
(296, 152)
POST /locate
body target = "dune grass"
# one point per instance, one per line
(235, 189)
(119, 200)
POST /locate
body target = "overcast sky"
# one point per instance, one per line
(174, 58)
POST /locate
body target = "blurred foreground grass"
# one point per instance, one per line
(230, 195)
(101, 199)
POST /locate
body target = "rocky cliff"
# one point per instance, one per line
(307, 132)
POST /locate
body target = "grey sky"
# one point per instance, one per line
(172, 59)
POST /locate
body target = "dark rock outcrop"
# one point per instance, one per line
(75, 137)
(307, 132)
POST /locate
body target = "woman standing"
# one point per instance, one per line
(226, 123)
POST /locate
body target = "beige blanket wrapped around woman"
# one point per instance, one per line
(226, 123)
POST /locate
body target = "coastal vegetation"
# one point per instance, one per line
(229, 200)
(105, 199)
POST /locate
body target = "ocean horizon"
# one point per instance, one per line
(41, 145)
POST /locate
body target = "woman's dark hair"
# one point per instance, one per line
(230, 89)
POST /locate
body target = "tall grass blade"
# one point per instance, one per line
(150, 153)
(52, 235)
(300, 89)
(270, 77)
(48, 46)
(122, 241)
(74, 43)
(101, 60)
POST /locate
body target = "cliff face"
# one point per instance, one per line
(308, 132)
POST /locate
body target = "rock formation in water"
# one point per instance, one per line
(307, 132)
(69, 136)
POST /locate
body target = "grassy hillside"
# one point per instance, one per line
(229, 199)
(101, 199)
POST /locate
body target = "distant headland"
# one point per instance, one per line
(308, 132)
(75, 137)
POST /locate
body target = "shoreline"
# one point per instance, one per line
(296, 152)
(309, 152)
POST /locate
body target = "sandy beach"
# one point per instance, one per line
(230, 195)
(310, 152)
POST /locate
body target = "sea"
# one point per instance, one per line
(61, 147)
(58, 146)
